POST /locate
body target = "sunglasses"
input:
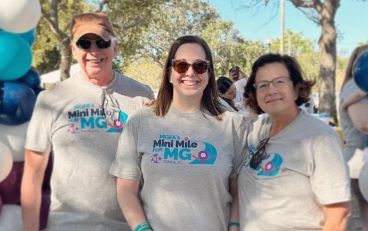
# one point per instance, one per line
(86, 44)
(182, 66)
(260, 154)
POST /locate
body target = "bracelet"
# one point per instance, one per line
(233, 223)
(143, 227)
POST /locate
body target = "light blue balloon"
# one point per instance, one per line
(15, 56)
(29, 36)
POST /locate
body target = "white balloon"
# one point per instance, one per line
(19, 16)
(14, 137)
(6, 161)
(10, 218)
(363, 181)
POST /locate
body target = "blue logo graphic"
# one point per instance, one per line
(206, 156)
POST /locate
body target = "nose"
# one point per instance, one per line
(190, 71)
(271, 89)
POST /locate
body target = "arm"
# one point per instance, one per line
(353, 99)
(35, 164)
(336, 216)
(127, 193)
(358, 114)
(234, 213)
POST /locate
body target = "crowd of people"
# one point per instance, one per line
(199, 156)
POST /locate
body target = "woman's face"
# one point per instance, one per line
(230, 93)
(275, 92)
(190, 84)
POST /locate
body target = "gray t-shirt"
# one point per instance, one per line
(80, 124)
(354, 139)
(302, 170)
(185, 161)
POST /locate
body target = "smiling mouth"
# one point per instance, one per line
(190, 83)
(95, 61)
(273, 100)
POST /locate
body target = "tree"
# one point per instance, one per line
(323, 13)
(128, 15)
(49, 44)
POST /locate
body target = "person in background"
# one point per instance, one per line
(354, 122)
(294, 176)
(184, 150)
(79, 122)
(240, 80)
(227, 92)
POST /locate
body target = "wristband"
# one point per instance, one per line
(143, 227)
(233, 223)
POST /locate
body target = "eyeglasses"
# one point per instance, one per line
(86, 44)
(278, 82)
(181, 66)
(260, 154)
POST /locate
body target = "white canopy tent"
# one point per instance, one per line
(54, 76)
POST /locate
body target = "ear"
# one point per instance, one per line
(73, 49)
(116, 48)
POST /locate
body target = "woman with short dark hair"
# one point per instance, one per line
(294, 176)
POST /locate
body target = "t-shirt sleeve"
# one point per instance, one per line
(39, 130)
(240, 143)
(329, 179)
(127, 160)
(150, 93)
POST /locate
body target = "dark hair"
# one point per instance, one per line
(209, 100)
(302, 86)
(223, 84)
(354, 55)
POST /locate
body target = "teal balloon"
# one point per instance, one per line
(360, 71)
(29, 36)
(15, 56)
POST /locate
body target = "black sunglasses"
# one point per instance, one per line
(260, 154)
(85, 44)
(181, 66)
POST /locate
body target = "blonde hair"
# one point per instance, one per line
(349, 69)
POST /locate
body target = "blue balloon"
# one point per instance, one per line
(16, 103)
(361, 71)
(31, 79)
(15, 56)
(29, 36)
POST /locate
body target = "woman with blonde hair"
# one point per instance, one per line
(354, 122)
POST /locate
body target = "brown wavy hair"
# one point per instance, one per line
(209, 100)
(302, 86)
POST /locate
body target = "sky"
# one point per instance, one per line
(262, 23)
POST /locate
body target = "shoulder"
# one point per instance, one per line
(133, 88)
(59, 91)
(143, 113)
(237, 120)
(315, 127)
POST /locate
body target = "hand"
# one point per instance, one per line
(149, 102)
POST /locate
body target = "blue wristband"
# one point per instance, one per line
(143, 227)
(233, 223)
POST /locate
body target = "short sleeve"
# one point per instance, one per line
(127, 160)
(39, 130)
(329, 179)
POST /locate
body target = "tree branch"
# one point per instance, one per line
(53, 20)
